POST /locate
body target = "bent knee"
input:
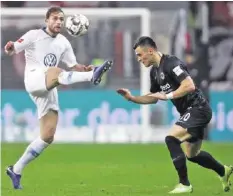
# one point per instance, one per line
(171, 139)
(191, 156)
(48, 133)
(54, 70)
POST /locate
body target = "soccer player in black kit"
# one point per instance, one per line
(170, 80)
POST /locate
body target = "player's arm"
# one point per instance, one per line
(186, 86)
(9, 48)
(180, 75)
(143, 99)
(21, 44)
(70, 60)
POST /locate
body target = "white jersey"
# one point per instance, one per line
(43, 50)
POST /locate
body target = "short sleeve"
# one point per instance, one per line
(24, 42)
(177, 70)
(154, 87)
(68, 57)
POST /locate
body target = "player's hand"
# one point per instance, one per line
(88, 68)
(125, 93)
(9, 48)
(82, 68)
(159, 95)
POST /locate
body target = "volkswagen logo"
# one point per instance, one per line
(50, 60)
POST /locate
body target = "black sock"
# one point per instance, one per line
(178, 158)
(205, 159)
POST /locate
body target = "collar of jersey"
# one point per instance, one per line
(44, 29)
(161, 60)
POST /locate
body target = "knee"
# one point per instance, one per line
(48, 134)
(192, 157)
(54, 70)
(171, 139)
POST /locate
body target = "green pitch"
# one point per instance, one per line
(105, 170)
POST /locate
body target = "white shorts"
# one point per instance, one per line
(36, 87)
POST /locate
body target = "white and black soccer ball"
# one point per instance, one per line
(77, 25)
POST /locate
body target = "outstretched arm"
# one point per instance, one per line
(143, 99)
(21, 44)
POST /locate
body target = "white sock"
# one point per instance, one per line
(72, 77)
(32, 151)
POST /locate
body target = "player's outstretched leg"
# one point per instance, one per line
(71, 77)
(205, 160)
(99, 71)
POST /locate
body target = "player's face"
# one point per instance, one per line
(55, 22)
(144, 55)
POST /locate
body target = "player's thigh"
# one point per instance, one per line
(179, 133)
(35, 81)
(47, 109)
(40, 80)
(51, 77)
(192, 149)
(194, 120)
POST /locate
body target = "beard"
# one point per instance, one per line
(54, 31)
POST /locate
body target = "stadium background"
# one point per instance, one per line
(98, 115)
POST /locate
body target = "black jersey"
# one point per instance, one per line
(167, 78)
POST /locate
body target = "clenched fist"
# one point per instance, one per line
(9, 48)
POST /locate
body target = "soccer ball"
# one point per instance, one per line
(77, 25)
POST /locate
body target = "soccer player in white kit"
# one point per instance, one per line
(44, 49)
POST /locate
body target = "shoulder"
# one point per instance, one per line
(63, 39)
(172, 61)
(33, 33)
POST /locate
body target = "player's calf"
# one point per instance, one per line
(31, 152)
(205, 160)
(178, 158)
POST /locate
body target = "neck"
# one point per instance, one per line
(49, 32)
(157, 58)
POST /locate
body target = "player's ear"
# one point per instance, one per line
(150, 50)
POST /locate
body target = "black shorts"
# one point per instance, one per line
(195, 120)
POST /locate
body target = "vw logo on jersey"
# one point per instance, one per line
(50, 60)
(162, 76)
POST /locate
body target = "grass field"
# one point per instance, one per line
(104, 170)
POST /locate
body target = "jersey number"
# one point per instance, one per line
(185, 117)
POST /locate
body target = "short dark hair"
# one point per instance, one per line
(52, 10)
(145, 41)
